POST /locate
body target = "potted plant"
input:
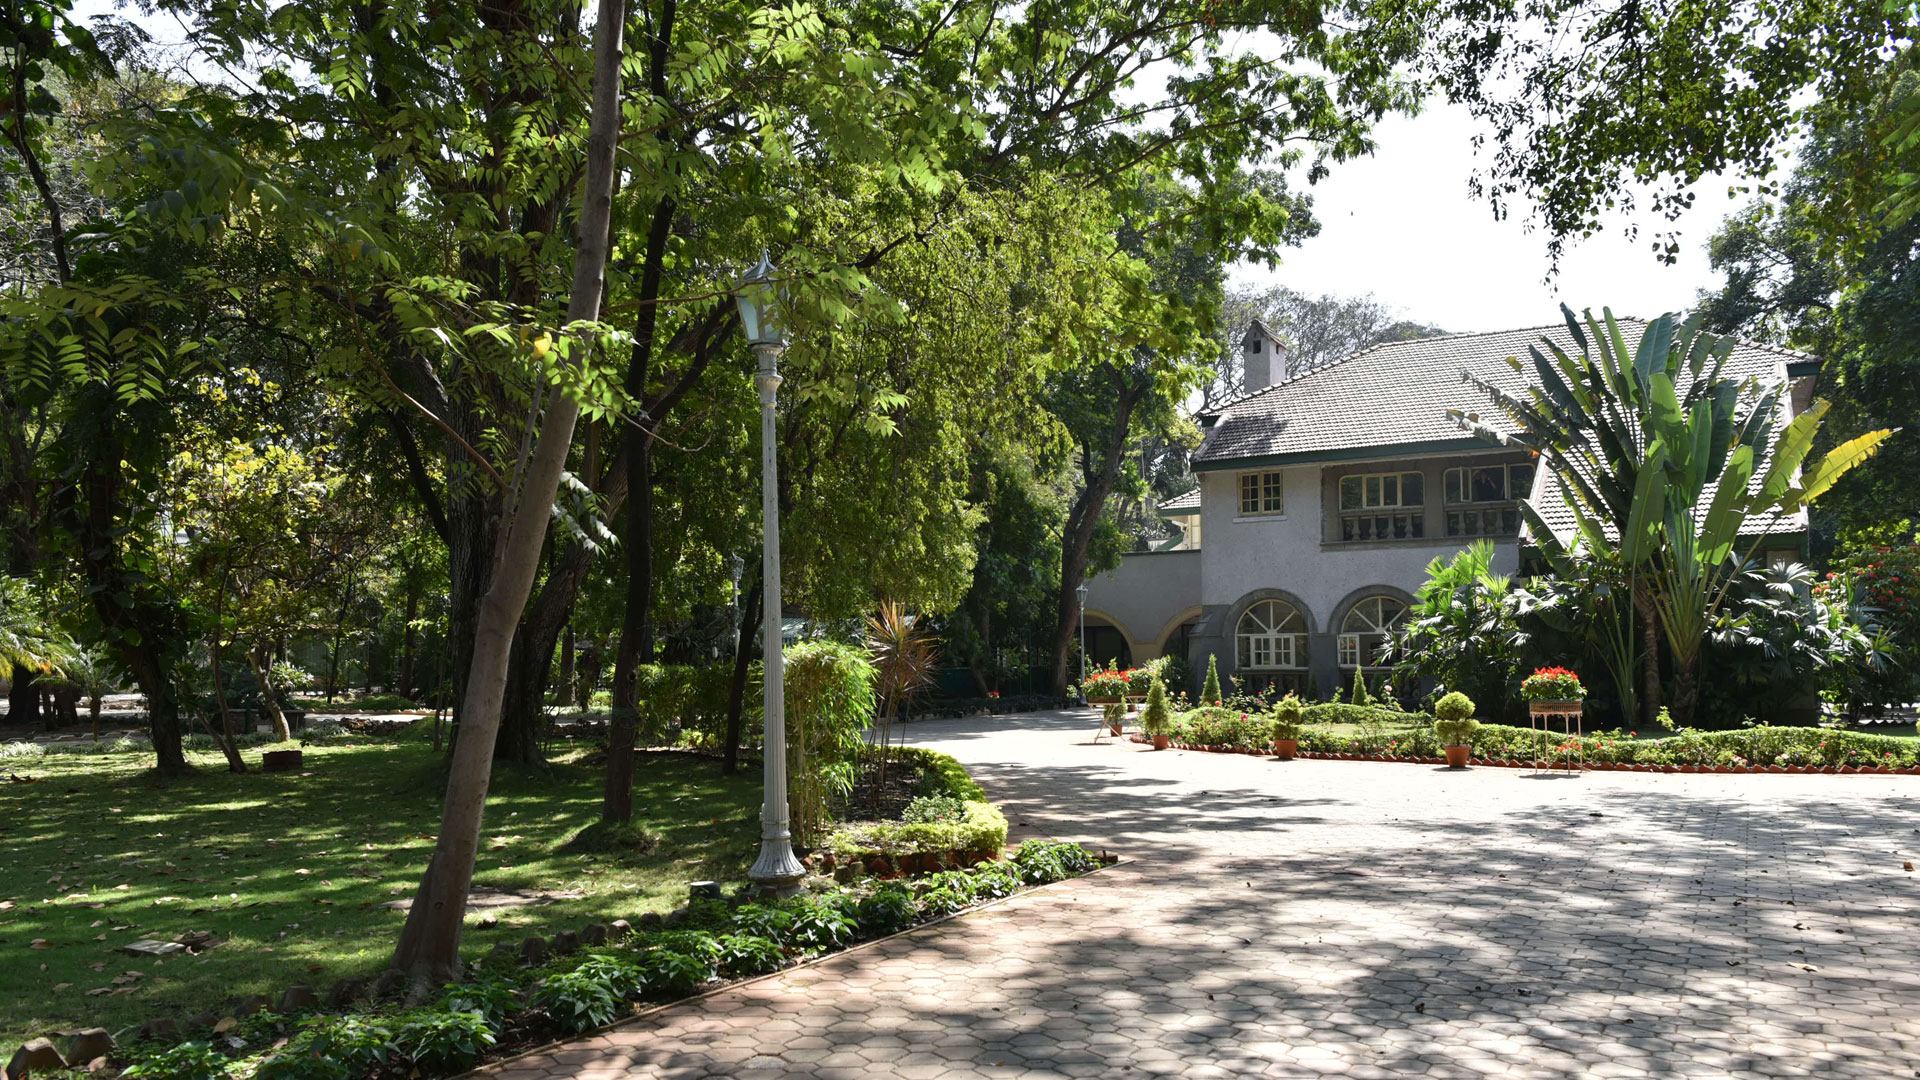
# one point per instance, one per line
(1108, 684)
(1157, 719)
(1289, 719)
(1553, 691)
(1454, 725)
(1116, 715)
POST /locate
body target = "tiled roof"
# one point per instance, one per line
(1397, 394)
(1182, 504)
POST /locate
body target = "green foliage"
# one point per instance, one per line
(942, 774)
(1289, 717)
(1218, 726)
(583, 998)
(1462, 630)
(1210, 692)
(1157, 717)
(1453, 722)
(293, 1064)
(357, 1042)
(889, 909)
(1338, 713)
(1039, 862)
(673, 973)
(1361, 696)
(620, 974)
(830, 701)
(745, 955)
(762, 921)
(820, 924)
(934, 810)
(983, 828)
(187, 1061)
(493, 999)
(445, 1040)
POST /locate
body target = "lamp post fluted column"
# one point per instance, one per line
(775, 870)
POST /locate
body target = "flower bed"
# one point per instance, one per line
(1756, 749)
(977, 830)
(506, 1007)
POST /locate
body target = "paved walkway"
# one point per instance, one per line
(1372, 920)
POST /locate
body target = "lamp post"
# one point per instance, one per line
(776, 871)
(1081, 591)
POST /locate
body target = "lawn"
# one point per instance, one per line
(289, 871)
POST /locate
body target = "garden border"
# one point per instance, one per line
(492, 1067)
(1588, 766)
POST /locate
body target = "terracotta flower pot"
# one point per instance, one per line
(1113, 729)
(1161, 742)
(1457, 756)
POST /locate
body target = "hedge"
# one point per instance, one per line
(983, 829)
(1758, 746)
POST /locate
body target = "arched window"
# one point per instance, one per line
(1272, 636)
(1367, 628)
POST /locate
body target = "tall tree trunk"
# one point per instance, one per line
(222, 731)
(339, 630)
(1081, 523)
(742, 665)
(1649, 654)
(429, 946)
(269, 694)
(409, 639)
(565, 693)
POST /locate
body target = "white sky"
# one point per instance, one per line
(1400, 225)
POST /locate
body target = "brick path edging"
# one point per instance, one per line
(492, 1067)
(1587, 766)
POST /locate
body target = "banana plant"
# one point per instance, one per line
(1654, 451)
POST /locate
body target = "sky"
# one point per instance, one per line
(1401, 226)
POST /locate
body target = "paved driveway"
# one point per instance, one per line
(1373, 920)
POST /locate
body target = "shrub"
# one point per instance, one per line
(494, 999)
(830, 701)
(994, 881)
(356, 1042)
(935, 903)
(1454, 706)
(1360, 695)
(1157, 717)
(580, 999)
(623, 977)
(940, 774)
(983, 828)
(934, 810)
(1039, 862)
(890, 908)
(742, 955)
(757, 920)
(1337, 713)
(1289, 717)
(1218, 726)
(187, 1061)
(1113, 714)
(819, 924)
(1210, 693)
(673, 973)
(1453, 720)
(445, 1040)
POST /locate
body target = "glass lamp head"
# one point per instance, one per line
(759, 301)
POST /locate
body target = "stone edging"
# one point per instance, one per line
(647, 1013)
(1555, 763)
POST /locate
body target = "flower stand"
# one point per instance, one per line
(1541, 716)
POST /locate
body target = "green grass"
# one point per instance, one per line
(289, 871)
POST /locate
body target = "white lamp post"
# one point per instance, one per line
(1081, 591)
(776, 870)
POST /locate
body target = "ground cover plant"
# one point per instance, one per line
(288, 871)
(502, 1007)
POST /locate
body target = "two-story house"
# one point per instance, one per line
(1323, 496)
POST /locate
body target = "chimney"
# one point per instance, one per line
(1263, 357)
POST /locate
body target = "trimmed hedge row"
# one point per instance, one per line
(982, 829)
(1760, 746)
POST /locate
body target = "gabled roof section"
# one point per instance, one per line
(1181, 505)
(1393, 398)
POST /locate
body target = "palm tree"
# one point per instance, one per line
(904, 655)
(27, 641)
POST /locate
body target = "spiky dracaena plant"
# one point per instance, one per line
(1656, 453)
(905, 655)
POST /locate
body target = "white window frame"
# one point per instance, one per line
(1352, 641)
(1482, 511)
(1269, 646)
(1373, 487)
(1269, 493)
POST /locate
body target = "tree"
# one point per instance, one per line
(1317, 330)
(1663, 462)
(1461, 630)
(905, 655)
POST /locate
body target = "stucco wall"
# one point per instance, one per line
(1144, 594)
